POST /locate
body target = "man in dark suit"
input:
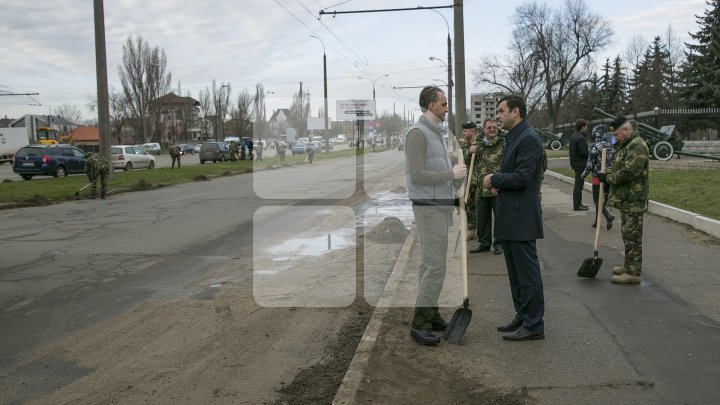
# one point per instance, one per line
(578, 160)
(519, 218)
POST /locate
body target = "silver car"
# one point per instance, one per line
(128, 157)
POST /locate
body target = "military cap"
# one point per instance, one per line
(469, 125)
(617, 123)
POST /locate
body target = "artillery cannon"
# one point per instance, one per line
(662, 145)
(553, 141)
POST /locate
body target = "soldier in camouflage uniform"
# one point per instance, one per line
(628, 178)
(96, 167)
(233, 146)
(488, 159)
(470, 139)
(175, 153)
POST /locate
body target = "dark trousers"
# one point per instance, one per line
(526, 284)
(484, 212)
(596, 199)
(577, 189)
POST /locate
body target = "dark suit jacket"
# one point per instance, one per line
(518, 213)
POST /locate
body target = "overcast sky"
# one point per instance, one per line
(47, 47)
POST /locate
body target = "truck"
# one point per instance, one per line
(14, 138)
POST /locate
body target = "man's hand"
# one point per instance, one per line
(459, 171)
(473, 148)
(494, 192)
(486, 181)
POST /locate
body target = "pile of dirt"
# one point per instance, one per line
(141, 185)
(390, 230)
(201, 177)
(36, 201)
(7, 181)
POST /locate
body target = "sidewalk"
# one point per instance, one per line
(655, 343)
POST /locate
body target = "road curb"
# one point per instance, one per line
(347, 392)
(699, 222)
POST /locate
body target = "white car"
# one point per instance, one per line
(128, 157)
(197, 148)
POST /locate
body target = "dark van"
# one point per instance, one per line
(214, 151)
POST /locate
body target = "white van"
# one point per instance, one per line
(341, 138)
(152, 147)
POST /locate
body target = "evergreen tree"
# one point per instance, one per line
(653, 79)
(605, 86)
(701, 72)
(617, 92)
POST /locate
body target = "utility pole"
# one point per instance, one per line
(460, 116)
(102, 82)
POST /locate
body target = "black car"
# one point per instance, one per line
(48, 160)
(215, 151)
(187, 149)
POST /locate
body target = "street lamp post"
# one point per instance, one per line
(451, 117)
(325, 133)
(373, 87)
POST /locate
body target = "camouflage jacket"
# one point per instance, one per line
(628, 176)
(96, 164)
(174, 151)
(488, 159)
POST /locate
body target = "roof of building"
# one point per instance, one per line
(285, 111)
(85, 133)
(172, 98)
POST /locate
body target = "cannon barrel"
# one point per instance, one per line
(645, 129)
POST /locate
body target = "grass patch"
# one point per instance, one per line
(694, 190)
(50, 190)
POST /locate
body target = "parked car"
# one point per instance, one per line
(215, 151)
(128, 157)
(300, 148)
(152, 147)
(48, 160)
(186, 148)
(197, 148)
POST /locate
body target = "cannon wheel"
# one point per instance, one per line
(663, 151)
(555, 145)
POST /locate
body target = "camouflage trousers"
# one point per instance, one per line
(175, 158)
(94, 177)
(632, 232)
(470, 209)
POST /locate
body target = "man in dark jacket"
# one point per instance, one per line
(578, 160)
(519, 218)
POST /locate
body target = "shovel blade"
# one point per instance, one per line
(457, 325)
(590, 267)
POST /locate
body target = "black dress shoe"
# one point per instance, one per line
(524, 334)
(498, 250)
(438, 324)
(479, 249)
(424, 337)
(582, 208)
(514, 325)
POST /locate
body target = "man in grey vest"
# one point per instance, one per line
(429, 174)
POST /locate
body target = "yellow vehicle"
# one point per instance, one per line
(46, 136)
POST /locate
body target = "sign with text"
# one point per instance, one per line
(361, 110)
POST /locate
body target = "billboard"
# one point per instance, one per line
(355, 110)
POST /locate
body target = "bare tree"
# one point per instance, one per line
(208, 111)
(563, 41)
(119, 114)
(241, 115)
(221, 105)
(259, 112)
(299, 111)
(144, 77)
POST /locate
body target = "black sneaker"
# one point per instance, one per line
(424, 337)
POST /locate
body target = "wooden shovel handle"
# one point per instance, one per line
(600, 201)
(469, 177)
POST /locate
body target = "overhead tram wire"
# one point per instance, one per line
(357, 57)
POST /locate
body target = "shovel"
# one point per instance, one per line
(467, 191)
(77, 193)
(591, 265)
(461, 318)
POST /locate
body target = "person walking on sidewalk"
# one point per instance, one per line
(489, 155)
(469, 140)
(629, 192)
(578, 158)
(429, 174)
(600, 142)
(519, 218)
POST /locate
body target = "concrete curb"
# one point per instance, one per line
(699, 222)
(347, 392)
